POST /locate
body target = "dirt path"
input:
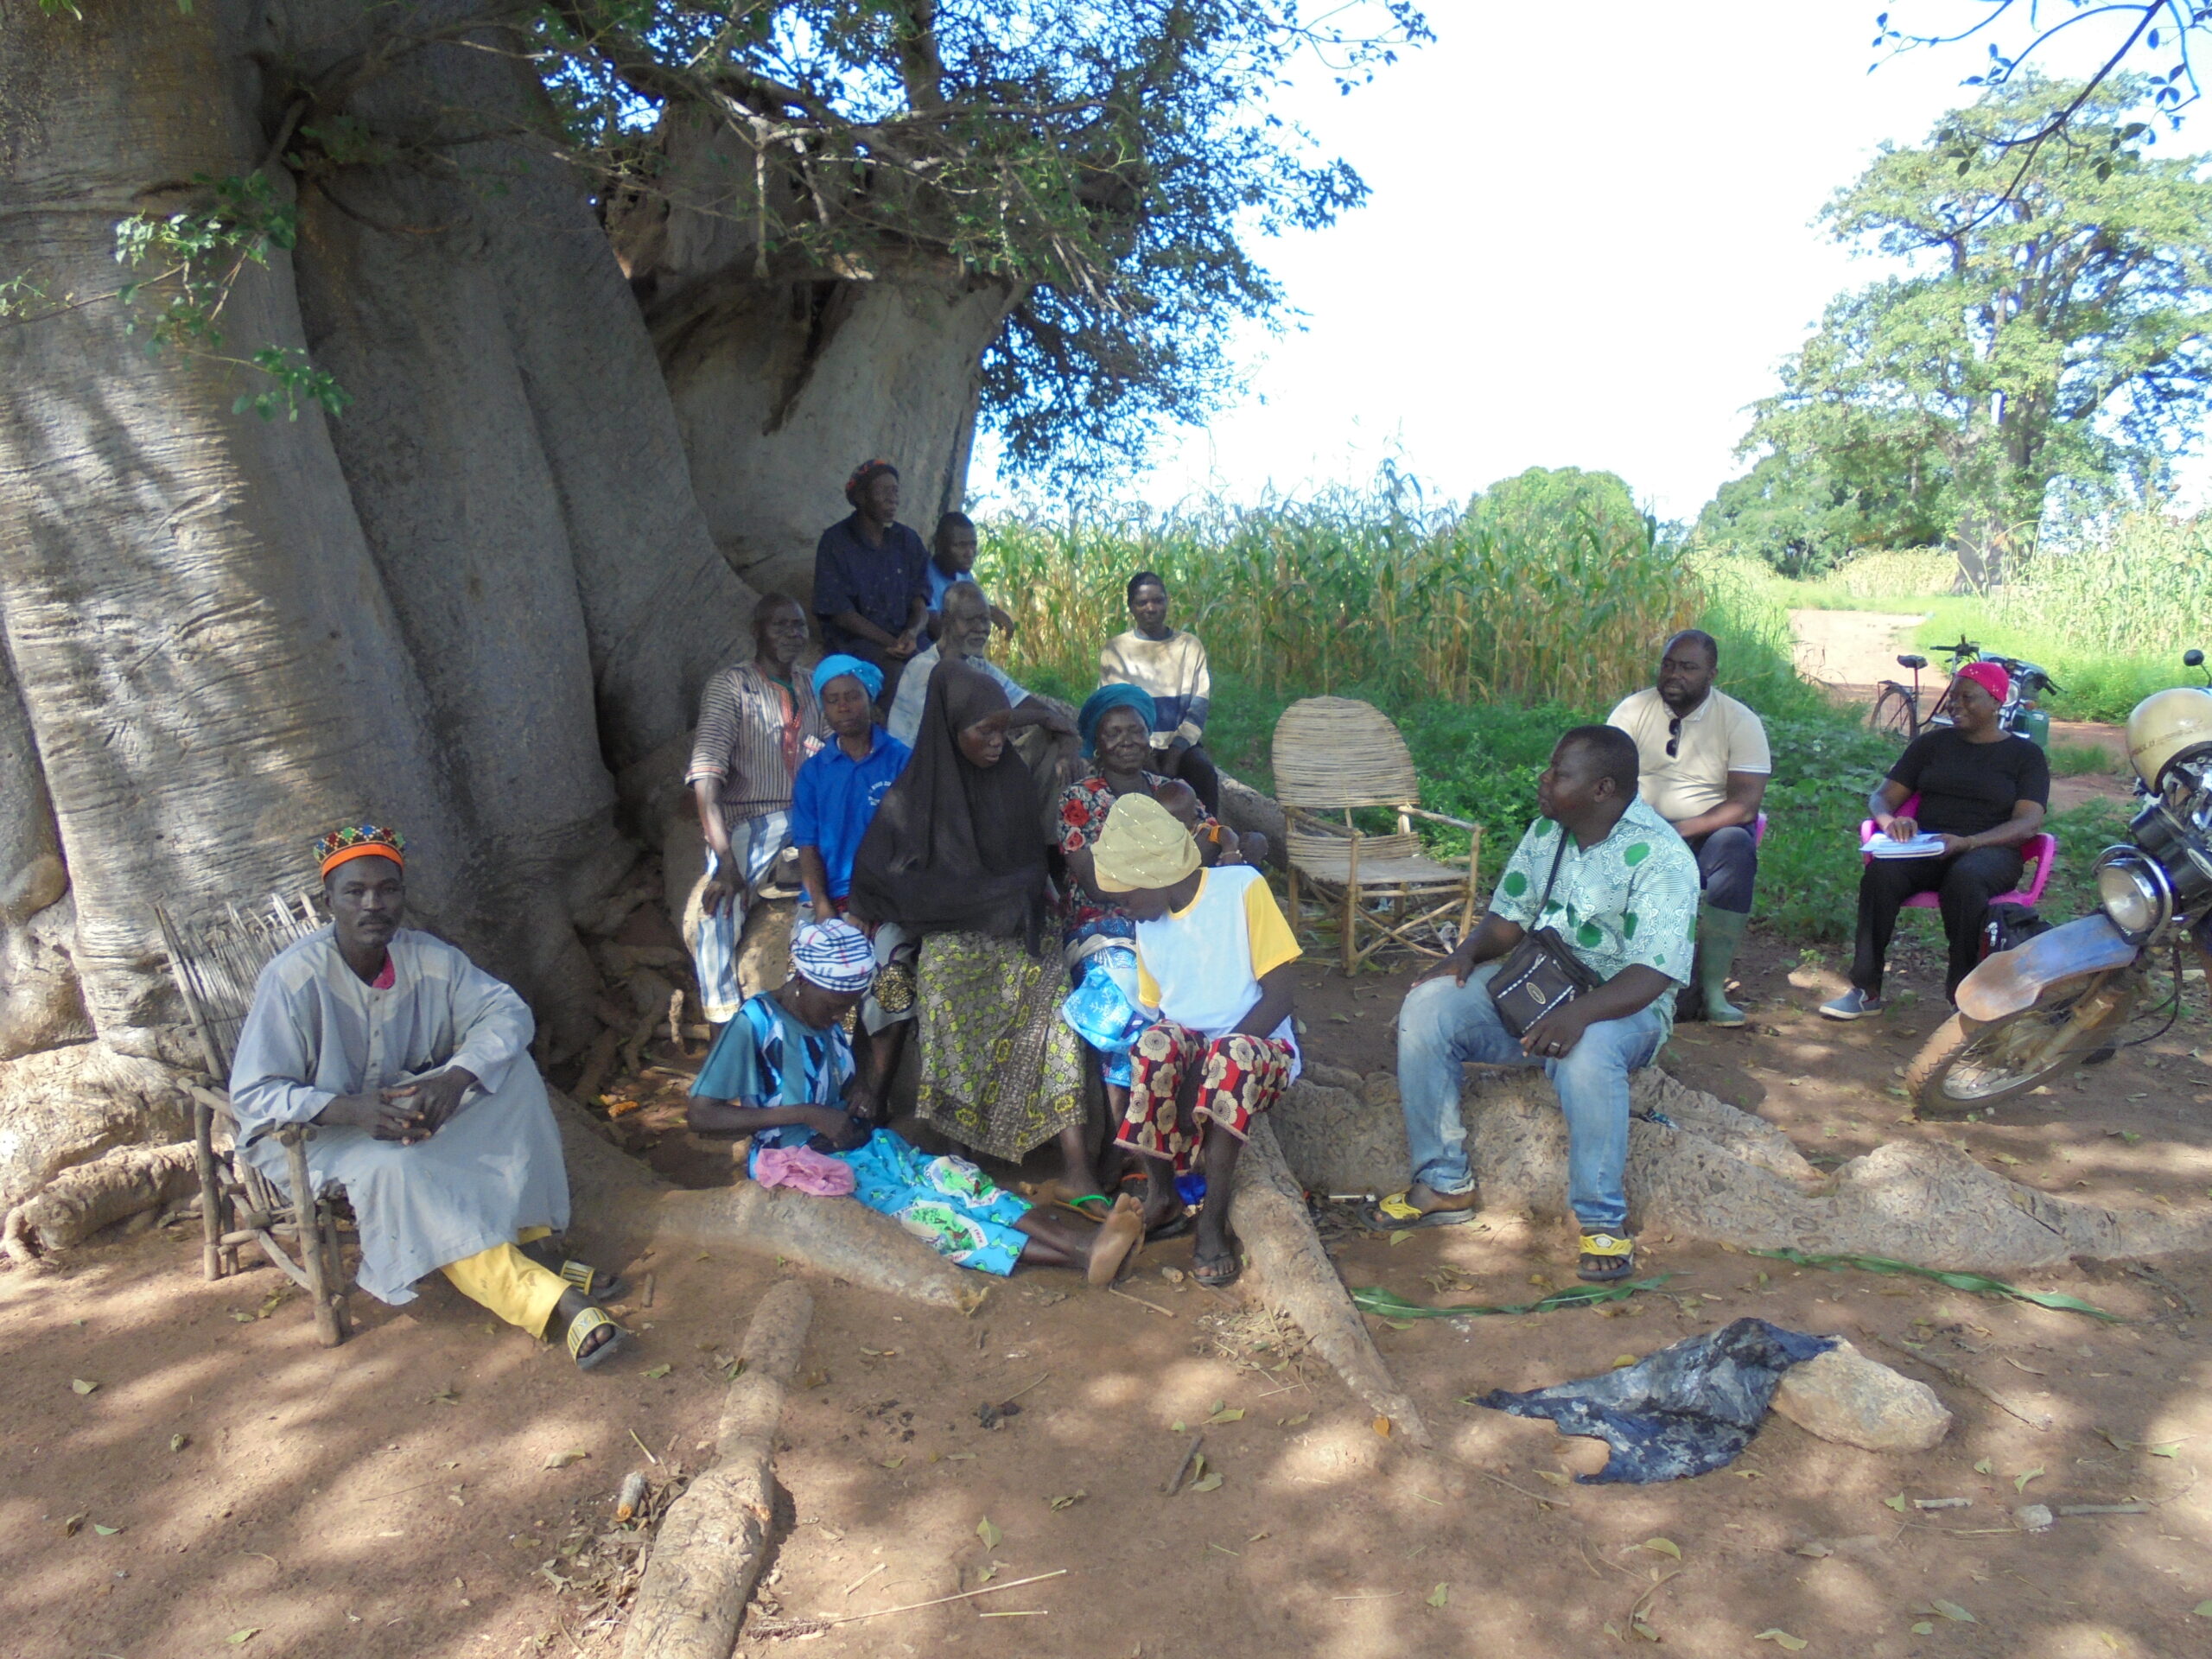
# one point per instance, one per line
(1855, 649)
(393, 1497)
(1849, 653)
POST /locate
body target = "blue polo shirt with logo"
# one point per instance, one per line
(835, 797)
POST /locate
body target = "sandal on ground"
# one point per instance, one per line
(1219, 1272)
(1398, 1212)
(594, 1282)
(1605, 1257)
(1091, 1206)
(1120, 1238)
(1166, 1229)
(579, 1329)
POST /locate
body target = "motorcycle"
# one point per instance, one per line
(2061, 998)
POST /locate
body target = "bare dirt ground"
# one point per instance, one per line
(393, 1497)
(1856, 651)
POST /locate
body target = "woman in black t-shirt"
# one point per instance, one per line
(1982, 794)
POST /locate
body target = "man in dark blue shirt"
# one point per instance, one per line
(871, 589)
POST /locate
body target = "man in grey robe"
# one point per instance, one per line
(413, 1067)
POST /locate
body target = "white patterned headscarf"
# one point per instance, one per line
(835, 955)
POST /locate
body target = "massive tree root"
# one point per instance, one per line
(713, 1540)
(1709, 1171)
(1295, 1276)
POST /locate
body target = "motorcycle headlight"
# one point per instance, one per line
(2133, 892)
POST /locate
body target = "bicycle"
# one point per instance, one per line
(1897, 713)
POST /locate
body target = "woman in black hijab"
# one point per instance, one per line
(954, 855)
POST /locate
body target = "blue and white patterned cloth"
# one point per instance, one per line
(1105, 1011)
(1686, 1411)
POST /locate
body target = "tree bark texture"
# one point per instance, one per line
(466, 605)
(783, 380)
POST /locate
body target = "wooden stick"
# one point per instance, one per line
(643, 1447)
(809, 1626)
(645, 1291)
(1017, 1393)
(1184, 1467)
(1965, 1382)
(1164, 1313)
(1559, 1501)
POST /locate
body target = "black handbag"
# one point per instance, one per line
(1539, 973)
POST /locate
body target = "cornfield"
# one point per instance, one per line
(1357, 588)
(2143, 591)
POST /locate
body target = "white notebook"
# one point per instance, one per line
(1923, 845)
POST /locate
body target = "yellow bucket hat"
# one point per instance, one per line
(1143, 846)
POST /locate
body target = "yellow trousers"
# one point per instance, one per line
(509, 1283)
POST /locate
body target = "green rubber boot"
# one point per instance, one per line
(1719, 934)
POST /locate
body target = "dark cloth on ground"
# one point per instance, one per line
(1688, 1409)
(955, 846)
(1963, 886)
(1727, 866)
(1967, 788)
(881, 583)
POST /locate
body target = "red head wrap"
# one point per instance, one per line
(862, 475)
(1989, 677)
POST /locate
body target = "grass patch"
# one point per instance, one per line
(1478, 756)
(2082, 760)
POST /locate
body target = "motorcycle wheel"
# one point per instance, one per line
(1965, 1066)
(1893, 714)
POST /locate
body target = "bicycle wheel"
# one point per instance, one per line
(1895, 713)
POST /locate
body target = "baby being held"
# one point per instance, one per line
(1217, 843)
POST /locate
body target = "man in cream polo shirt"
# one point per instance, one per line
(1702, 764)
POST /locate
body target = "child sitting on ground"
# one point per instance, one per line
(780, 1071)
(1217, 843)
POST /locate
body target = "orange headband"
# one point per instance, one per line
(361, 849)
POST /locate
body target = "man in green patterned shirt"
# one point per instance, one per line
(1625, 901)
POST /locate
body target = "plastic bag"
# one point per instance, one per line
(1686, 1411)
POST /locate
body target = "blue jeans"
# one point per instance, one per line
(1441, 1025)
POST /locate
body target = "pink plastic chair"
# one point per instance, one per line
(2041, 852)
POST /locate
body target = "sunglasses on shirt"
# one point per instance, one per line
(1673, 737)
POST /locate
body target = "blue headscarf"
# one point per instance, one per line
(869, 676)
(1106, 699)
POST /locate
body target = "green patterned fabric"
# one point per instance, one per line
(1631, 900)
(1001, 1072)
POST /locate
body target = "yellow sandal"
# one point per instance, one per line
(1605, 1257)
(579, 1329)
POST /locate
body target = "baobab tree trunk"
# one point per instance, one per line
(782, 379)
(467, 605)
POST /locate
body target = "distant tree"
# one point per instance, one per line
(1541, 497)
(2053, 332)
(1804, 512)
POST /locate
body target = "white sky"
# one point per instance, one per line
(1589, 244)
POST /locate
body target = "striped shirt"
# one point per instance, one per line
(1172, 672)
(754, 735)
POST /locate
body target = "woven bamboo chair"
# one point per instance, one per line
(1335, 754)
(215, 964)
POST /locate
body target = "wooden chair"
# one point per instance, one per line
(1336, 754)
(215, 964)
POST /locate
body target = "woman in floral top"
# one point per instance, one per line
(1117, 729)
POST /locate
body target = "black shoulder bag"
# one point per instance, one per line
(1539, 973)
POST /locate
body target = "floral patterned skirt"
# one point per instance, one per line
(1001, 1072)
